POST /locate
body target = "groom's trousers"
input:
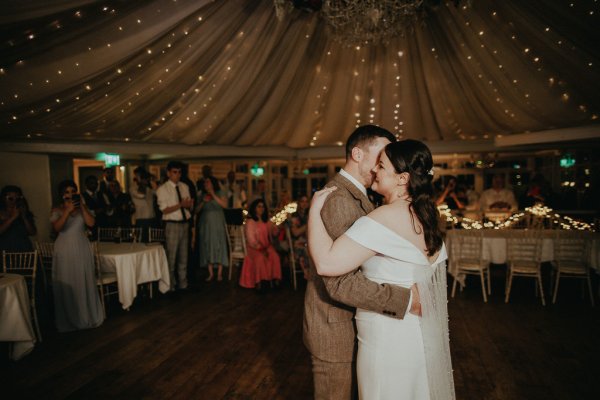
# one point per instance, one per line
(334, 380)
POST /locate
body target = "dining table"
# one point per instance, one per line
(15, 316)
(134, 264)
(494, 248)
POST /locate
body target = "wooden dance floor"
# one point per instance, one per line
(223, 342)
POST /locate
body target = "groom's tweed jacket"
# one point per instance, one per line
(330, 302)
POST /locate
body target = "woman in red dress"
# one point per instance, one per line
(262, 261)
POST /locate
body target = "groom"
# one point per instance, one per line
(330, 302)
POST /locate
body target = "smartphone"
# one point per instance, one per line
(76, 199)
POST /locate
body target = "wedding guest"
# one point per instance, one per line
(192, 253)
(206, 174)
(498, 198)
(212, 234)
(95, 203)
(262, 262)
(175, 203)
(262, 193)
(284, 199)
(280, 241)
(472, 198)
(122, 205)
(76, 301)
(142, 196)
(236, 195)
(538, 192)
(16, 221)
(450, 197)
(298, 230)
(108, 175)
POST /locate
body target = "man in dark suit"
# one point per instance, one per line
(94, 202)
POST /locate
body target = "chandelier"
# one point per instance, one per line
(358, 22)
(370, 21)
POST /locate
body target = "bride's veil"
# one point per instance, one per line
(431, 282)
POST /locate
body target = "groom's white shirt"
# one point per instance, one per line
(363, 189)
(356, 183)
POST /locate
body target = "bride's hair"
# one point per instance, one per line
(414, 157)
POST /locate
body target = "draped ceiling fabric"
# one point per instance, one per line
(231, 73)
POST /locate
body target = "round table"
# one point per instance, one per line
(15, 315)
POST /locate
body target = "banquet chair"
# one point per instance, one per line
(524, 258)
(466, 258)
(571, 254)
(108, 234)
(293, 269)
(236, 240)
(45, 252)
(24, 263)
(131, 235)
(156, 235)
(104, 280)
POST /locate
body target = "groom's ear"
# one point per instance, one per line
(357, 154)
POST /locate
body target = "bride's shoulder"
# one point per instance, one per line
(387, 211)
(393, 216)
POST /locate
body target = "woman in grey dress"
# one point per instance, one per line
(76, 300)
(212, 234)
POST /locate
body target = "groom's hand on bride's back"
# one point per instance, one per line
(415, 305)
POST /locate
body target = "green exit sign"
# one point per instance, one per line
(567, 161)
(110, 160)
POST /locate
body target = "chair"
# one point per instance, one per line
(103, 279)
(131, 235)
(24, 263)
(571, 259)
(156, 235)
(45, 252)
(524, 254)
(108, 234)
(466, 257)
(293, 270)
(236, 240)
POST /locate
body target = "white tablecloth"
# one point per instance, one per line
(15, 315)
(494, 246)
(135, 263)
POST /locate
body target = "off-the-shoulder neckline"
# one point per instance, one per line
(437, 258)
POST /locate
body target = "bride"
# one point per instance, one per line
(399, 243)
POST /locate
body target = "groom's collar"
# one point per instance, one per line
(354, 181)
(342, 182)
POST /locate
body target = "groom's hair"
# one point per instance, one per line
(364, 135)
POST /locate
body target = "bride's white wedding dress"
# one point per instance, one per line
(403, 358)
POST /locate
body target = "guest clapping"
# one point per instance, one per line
(16, 221)
(262, 261)
(212, 235)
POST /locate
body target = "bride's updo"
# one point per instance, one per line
(414, 157)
